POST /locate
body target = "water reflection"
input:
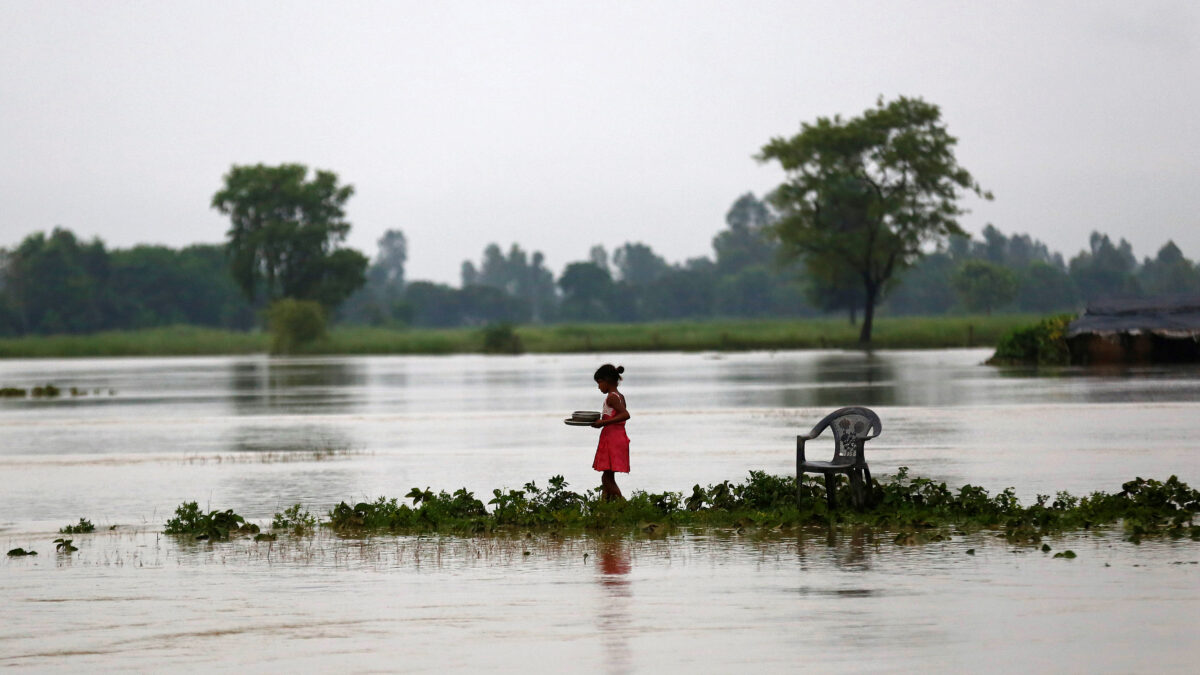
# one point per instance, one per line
(297, 386)
(614, 561)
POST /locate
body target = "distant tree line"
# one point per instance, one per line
(56, 283)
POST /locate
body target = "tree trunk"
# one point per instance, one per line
(864, 337)
(853, 315)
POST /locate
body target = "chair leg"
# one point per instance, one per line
(856, 492)
(870, 487)
(829, 488)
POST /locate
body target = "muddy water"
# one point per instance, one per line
(256, 434)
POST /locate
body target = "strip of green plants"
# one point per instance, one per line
(725, 335)
(916, 510)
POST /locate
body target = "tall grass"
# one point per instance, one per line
(725, 334)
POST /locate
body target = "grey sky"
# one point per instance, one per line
(559, 125)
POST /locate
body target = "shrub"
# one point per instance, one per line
(295, 520)
(295, 324)
(500, 338)
(189, 519)
(1043, 344)
(83, 527)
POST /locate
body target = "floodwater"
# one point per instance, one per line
(257, 434)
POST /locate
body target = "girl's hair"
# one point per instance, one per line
(609, 373)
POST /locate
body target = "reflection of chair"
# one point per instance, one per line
(852, 427)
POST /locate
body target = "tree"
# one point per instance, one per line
(1105, 270)
(869, 192)
(1046, 288)
(58, 284)
(638, 264)
(984, 286)
(587, 292)
(746, 240)
(285, 231)
(1169, 273)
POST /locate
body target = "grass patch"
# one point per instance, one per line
(170, 341)
(725, 335)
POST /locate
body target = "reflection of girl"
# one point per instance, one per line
(612, 454)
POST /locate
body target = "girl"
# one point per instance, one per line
(612, 454)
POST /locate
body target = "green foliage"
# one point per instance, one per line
(500, 338)
(214, 525)
(83, 527)
(985, 286)
(435, 511)
(295, 324)
(57, 284)
(45, 391)
(918, 509)
(295, 519)
(868, 193)
(284, 234)
(1043, 343)
(18, 552)
(64, 545)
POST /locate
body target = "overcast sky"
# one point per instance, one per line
(559, 125)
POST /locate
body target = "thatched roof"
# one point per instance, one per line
(1175, 317)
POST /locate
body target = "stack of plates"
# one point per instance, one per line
(582, 418)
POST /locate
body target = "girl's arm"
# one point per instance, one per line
(618, 405)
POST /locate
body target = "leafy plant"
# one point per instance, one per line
(64, 545)
(83, 527)
(17, 552)
(295, 520)
(189, 519)
(1043, 343)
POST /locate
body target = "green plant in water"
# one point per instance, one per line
(189, 519)
(919, 510)
(12, 392)
(48, 391)
(83, 527)
(295, 520)
(1043, 344)
(64, 545)
(17, 552)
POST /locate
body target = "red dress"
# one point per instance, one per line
(612, 454)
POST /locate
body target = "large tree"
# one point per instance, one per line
(869, 193)
(285, 231)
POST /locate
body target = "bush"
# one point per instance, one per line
(500, 338)
(295, 324)
(1043, 344)
(189, 519)
(83, 527)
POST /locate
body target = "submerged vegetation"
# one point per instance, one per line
(190, 520)
(83, 527)
(916, 510)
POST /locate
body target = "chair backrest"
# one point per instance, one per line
(849, 425)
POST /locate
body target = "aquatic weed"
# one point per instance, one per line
(83, 527)
(189, 519)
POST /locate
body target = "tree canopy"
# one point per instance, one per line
(284, 234)
(869, 192)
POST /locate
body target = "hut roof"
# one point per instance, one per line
(1169, 317)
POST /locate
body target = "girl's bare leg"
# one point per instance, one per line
(611, 491)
